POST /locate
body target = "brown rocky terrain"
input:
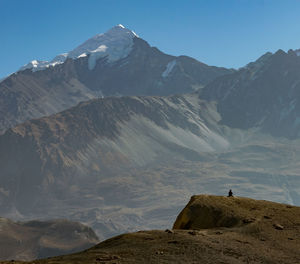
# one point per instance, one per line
(41, 239)
(210, 229)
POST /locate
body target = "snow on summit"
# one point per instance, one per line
(115, 44)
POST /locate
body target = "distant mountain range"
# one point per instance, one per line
(115, 63)
(112, 132)
(265, 94)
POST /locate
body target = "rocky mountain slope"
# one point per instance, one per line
(210, 229)
(116, 63)
(264, 94)
(73, 154)
(117, 163)
(41, 239)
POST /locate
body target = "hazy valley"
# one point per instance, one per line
(120, 137)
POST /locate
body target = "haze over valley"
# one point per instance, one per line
(119, 163)
(114, 136)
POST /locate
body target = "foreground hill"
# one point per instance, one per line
(210, 229)
(116, 63)
(41, 239)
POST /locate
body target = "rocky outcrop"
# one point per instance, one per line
(208, 211)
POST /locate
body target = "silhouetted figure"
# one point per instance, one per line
(230, 193)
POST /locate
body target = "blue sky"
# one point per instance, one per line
(227, 33)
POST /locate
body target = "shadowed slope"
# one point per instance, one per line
(264, 94)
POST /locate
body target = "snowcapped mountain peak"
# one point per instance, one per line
(115, 44)
(132, 32)
(117, 37)
(34, 64)
(120, 29)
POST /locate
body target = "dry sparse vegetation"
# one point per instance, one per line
(251, 238)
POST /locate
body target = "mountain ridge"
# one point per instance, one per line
(128, 67)
(264, 95)
(115, 44)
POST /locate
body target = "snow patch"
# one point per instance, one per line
(37, 65)
(170, 66)
(82, 55)
(95, 55)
